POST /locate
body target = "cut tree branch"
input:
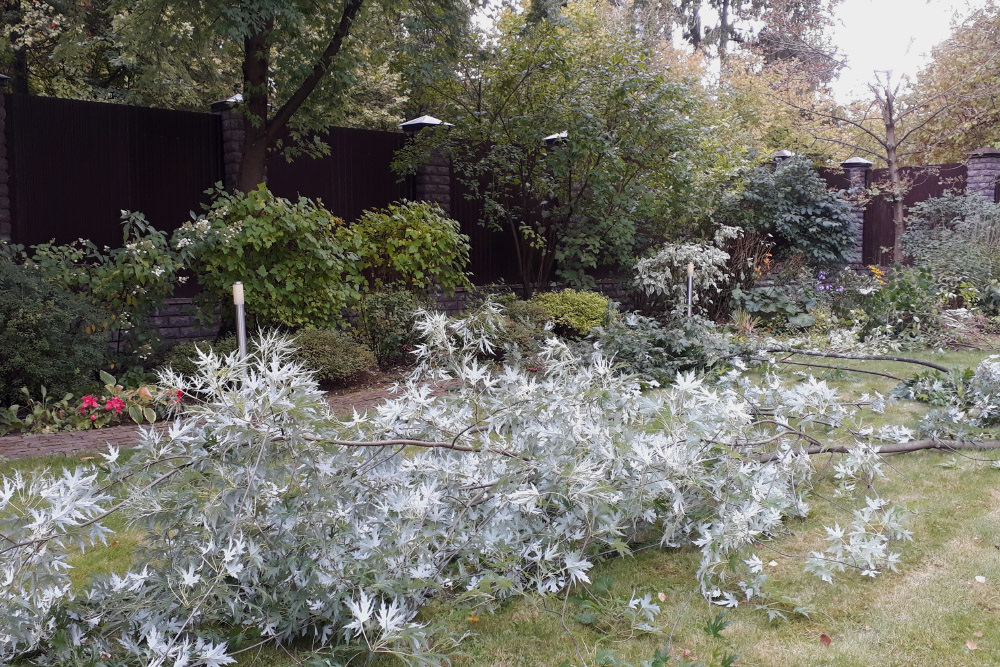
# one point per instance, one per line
(897, 448)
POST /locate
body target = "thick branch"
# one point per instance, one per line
(898, 448)
(840, 368)
(860, 357)
(275, 125)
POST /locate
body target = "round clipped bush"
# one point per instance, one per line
(408, 245)
(334, 356)
(45, 339)
(574, 312)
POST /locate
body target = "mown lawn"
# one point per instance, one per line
(933, 611)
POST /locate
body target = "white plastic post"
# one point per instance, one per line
(690, 285)
(241, 322)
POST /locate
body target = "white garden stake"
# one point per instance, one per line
(241, 324)
(690, 285)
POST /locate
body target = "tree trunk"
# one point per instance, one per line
(724, 29)
(895, 180)
(256, 69)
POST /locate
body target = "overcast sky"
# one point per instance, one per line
(865, 37)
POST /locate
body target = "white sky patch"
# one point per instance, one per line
(895, 35)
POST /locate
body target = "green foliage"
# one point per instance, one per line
(408, 245)
(957, 238)
(791, 202)
(904, 307)
(43, 327)
(334, 356)
(294, 271)
(183, 357)
(385, 320)
(573, 312)
(128, 283)
(643, 346)
(784, 305)
(592, 200)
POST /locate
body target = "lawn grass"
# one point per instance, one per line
(923, 615)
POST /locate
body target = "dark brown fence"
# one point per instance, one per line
(924, 183)
(493, 255)
(355, 176)
(75, 165)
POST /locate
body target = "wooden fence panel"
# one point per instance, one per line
(926, 183)
(76, 165)
(493, 254)
(354, 177)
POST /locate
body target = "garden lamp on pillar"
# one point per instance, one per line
(241, 321)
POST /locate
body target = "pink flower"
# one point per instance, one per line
(88, 402)
(116, 405)
(93, 418)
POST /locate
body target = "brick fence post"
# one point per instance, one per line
(232, 138)
(858, 171)
(5, 212)
(983, 172)
(433, 177)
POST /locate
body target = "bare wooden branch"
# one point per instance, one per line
(858, 357)
(897, 448)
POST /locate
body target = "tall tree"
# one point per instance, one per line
(624, 142)
(778, 29)
(968, 56)
(301, 65)
(886, 127)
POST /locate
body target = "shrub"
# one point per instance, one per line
(294, 272)
(957, 238)
(385, 320)
(904, 304)
(574, 312)
(334, 356)
(663, 277)
(183, 357)
(643, 346)
(44, 329)
(792, 202)
(785, 305)
(127, 283)
(408, 245)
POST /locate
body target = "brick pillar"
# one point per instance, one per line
(232, 138)
(858, 170)
(433, 178)
(5, 211)
(983, 172)
(433, 182)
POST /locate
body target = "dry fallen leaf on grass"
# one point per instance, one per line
(980, 579)
(977, 633)
(825, 640)
(971, 645)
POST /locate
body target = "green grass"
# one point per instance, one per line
(922, 615)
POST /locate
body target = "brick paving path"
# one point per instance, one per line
(75, 442)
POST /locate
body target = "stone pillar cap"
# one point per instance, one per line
(420, 123)
(557, 137)
(228, 103)
(783, 154)
(855, 162)
(985, 151)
